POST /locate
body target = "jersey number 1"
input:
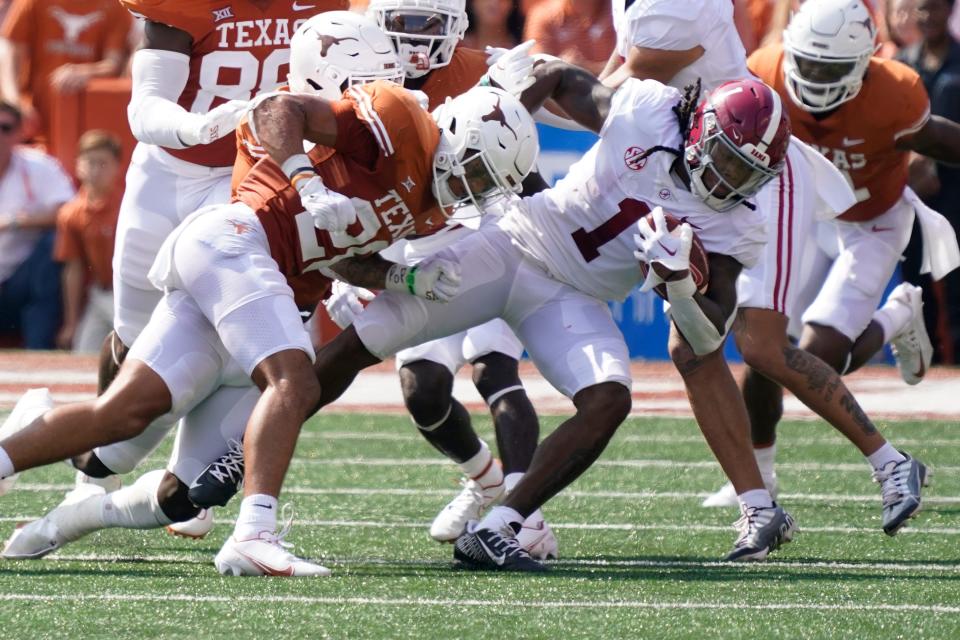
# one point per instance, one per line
(589, 242)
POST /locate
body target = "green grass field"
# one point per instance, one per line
(639, 557)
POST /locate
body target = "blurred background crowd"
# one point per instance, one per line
(64, 141)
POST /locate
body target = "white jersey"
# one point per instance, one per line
(581, 230)
(678, 26)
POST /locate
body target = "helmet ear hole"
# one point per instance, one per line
(453, 126)
(316, 87)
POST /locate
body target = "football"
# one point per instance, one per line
(699, 266)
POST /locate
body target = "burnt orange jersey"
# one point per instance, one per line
(58, 32)
(382, 160)
(466, 68)
(240, 48)
(860, 136)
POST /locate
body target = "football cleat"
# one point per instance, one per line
(265, 555)
(536, 537)
(911, 347)
(494, 551)
(761, 530)
(221, 480)
(31, 405)
(726, 496)
(195, 528)
(900, 484)
(468, 505)
(66, 523)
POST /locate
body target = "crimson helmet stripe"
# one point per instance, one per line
(774, 123)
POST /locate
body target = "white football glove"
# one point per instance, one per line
(511, 69)
(434, 279)
(343, 305)
(331, 211)
(204, 128)
(662, 247)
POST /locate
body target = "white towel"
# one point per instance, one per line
(941, 255)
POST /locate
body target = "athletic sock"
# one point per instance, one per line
(765, 457)
(512, 479)
(136, 506)
(502, 519)
(893, 317)
(482, 468)
(756, 498)
(884, 456)
(258, 513)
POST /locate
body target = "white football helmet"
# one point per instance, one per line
(488, 145)
(337, 49)
(827, 48)
(425, 32)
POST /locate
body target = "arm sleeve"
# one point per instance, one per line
(668, 32)
(159, 78)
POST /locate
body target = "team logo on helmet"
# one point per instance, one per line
(497, 115)
(327, 41)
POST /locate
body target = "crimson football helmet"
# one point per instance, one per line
(737, 143)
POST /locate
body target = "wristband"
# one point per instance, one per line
(295, 164)
(411, 280)
(301, 176)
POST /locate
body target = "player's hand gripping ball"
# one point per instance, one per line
(672, 248)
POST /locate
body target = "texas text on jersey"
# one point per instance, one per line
(858, 137)
(239, 49)
(382, 160)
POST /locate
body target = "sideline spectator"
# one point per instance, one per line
(902, 25)
(580, 32)
(32, 187)
(86, 227)
(493, 23)
(936, 58)
(59, 45)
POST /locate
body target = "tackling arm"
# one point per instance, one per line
(575, 90)
(283, 121)
(939, 139)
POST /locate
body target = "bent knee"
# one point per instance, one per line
(172, 497)
(427, 390)
(607, 404)
(494, 372)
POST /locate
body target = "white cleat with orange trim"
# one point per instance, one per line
(265, 555)
(537, 538)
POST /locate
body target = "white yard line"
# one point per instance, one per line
(457, 603)
(617, 495)
(578, 526)
(773, 564)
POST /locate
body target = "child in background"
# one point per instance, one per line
(86, 227)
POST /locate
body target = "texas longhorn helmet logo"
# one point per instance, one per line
(497, 115)
(327, 41)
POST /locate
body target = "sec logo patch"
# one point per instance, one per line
(633, 158)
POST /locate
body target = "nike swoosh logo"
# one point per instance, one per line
(877, 229)
(302, 7)
(499, 559)
(263, 506)
(267, 569)
(672, 253)
(852, 142)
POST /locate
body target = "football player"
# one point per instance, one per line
(427, 34)
(832, 85)
(200, 64)
(668, 38)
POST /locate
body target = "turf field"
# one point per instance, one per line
(639, 556)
